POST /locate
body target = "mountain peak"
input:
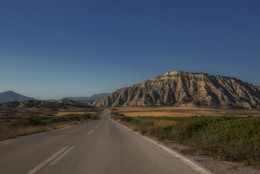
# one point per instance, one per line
(178, 88)
(172, 73)
(9, 92)
(12, 96)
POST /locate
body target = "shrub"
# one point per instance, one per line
(225, 138)
(27, 121)
(57, 119)
(128, 119)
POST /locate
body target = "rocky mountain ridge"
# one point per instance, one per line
(90, 98)
(180, 88)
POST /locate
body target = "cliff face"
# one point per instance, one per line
(186, 89)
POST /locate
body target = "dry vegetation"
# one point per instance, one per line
(231, 135)
(7, 132)
(62, 113)
(183, 111)
(17, 122)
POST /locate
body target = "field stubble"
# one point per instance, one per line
(183, 111)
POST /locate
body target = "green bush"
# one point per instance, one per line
(57, 119)
(224, 138)
(128, 119)
(35, 121)
(143, 121)
(72, 117)
(27, 121)
(235, 139)
(162, 132)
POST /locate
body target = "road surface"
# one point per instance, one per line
(99, 147)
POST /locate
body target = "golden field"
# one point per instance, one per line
(62, 113)
(183, 111)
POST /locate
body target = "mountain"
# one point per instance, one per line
(12, 96)
(63, 103)
(66, 101)
(91, 98)
(179, 88)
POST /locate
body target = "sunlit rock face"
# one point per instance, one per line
(180, 88)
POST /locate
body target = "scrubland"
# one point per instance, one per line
(230, 135)
(18, 122)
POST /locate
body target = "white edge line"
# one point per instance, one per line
(37, 168)
(192, 164)
(60, 157)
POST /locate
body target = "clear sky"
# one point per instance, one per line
(51, 49)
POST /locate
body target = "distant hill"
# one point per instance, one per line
(12, 96)
(91, 98)
(186, 89)
(63, 103)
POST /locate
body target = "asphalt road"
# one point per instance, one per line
(99, 146)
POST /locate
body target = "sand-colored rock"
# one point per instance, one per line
(186, 89)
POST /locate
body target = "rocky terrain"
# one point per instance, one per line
(86, 99)
(186, 89)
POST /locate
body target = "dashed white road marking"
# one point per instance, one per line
(60, 157)
(90, 132)
(37, 168)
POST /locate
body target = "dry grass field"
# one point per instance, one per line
(62, 113)
(183, 111)
(7, 133)
(69, 111)
(23, 121)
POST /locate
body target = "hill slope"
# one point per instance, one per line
(186, 89)
(12, 96)
(91, 98)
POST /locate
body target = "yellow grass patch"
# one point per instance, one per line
(164, 123)
(62, 113)
(8, 132)
(183, 111)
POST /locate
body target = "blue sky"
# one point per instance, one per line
(56, 48)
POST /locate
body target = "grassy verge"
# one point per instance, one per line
(224, 138)
(32, 124)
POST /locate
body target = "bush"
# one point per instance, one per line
(128, 119)
(27, 121)
(236, 139)
(57, 119)
(72, 117)
(224, 138)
